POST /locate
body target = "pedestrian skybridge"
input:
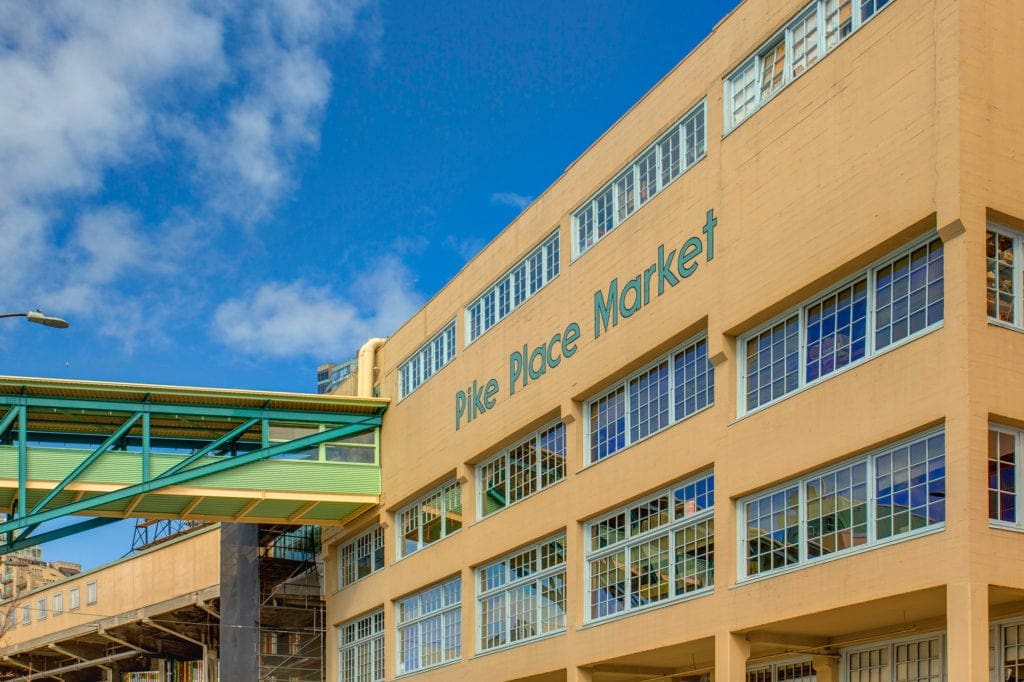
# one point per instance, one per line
(111, 451)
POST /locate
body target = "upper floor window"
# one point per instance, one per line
(429, 519)
(1005, 274)
(891, 493)
(790, 52)
(26, 614)
(900, 298)
(361, 556)
(683, 145)
(425, 362)
(91, 593)
(522, 281)
(361, 648)
(654, 550)
(73, 598)
(522, 595)
(1004, 475)
(41, 609)
(430, 627)
(533, 465)
(58, 603)
(673, 388)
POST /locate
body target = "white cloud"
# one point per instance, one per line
(511, 199)
(281, 319)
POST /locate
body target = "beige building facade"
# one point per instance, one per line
(739, 396)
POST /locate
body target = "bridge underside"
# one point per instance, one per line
(113, 451)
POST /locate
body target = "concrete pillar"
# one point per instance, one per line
(731, 654)
(239, 602)
(826, 668)
(967, 631)
(580, 675)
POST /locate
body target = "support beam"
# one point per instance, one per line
(646, 670)
(785, 639)
(306, 508)
(229, 437)
(153, 624)
(117, 640)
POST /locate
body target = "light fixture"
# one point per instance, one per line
(39, 317)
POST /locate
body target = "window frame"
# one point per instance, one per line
(510, 585)
(598, 204)
(549, 266)
(629, 541)
(417, 361)
(773, 668)
(91, 593)
(872, 541)
(1017, 294)
(42, 608)
(441, 490)
(74, 599)
(1018, 478)
(539, 472)
(58, 603)
(890, 646)
(354, 546)
(671, 397)
(421, 618)
(370, 645)
(870, 275)
(997, 643)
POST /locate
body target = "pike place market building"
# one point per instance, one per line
(739, 396)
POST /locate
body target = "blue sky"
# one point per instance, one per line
(228, 194)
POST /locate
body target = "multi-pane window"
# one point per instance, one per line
(41, 609)
(1008, 650)
(658, 549)
(430, 627)
(425, 362)
(654, 168)
(91, 593)
(893, 301)
(361, 556)
(784, 671)
(1004, 275)
(919, 660)
(522, 281)
(361, 648)
(891, 493)
(58, 603)
(435, 516)
(73, 598)
(1004, 475)
(673, 388)
(522, 470)
(26, 614)
(521, 596)
(790, 52)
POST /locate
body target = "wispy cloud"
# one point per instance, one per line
(512, 199)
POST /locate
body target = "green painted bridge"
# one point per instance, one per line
(111, 451)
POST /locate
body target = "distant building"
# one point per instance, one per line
(24, 570)
(330, 375)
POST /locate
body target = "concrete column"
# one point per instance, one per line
(731, 654)
(239, 602)
(580, 675)
(826, 668)
(967, 631)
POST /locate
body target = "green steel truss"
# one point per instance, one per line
(113, 451)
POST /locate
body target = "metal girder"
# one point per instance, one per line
(223, 440)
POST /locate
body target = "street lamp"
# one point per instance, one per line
(38, 317)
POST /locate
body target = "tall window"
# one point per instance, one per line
(533, 465)
(58, 603)
(425, 362)
(673, 154)
(892, 493)
(73, 598)
(1005, 274)
(1004, 476)
(1008, 648)
(790, 52)
(894, 301)
(361, 648)
(652, 551)
(429, 519)
(430, 627)
(41, 609)
(918, 660)
(672, 389)
(91, 593)
(522, 281)
(521, 596)
(361, 556)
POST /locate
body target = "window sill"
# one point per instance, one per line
(696, 594)
(1005, 325)
(1005, 525)
(446, 664)
(516, 645)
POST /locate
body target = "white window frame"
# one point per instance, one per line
(42, 609)
(697, 116)
(1018, 477)
(504, 592)
(424, 363)
(74, 599)
(26, 614)
(373, 539)
(417, 508)
(890, 645)
(91, 593)
(623, 385)
(997, 646)
(367, 649)
(58, 603)
(800, 311)
(540, 473)
(755, 673)
(785, 34)
(631, 541)
(438, 616)
(546, 257)
(872, 540)
(1018, 275)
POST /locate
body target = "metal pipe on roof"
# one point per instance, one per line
(366, 367)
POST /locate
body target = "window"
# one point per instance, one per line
(522, 281)
(521, 596)
(655, 550)
(360, 557)
(361, 648)
(73, 598)
(919, 660)
(90, 593)
(1008, 650)
(889, 494)
(533, 465)
(683, 145)
(268, 643)
(430, 627)
(26, 614)
(41, 609)
(789, 53)
(672, 389)
(1005, 274)
(887, 304)
(425, 362)
(1004, 474)
(58, 603)
(788, 671)
(430, 519)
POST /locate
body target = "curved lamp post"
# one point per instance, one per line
(38, 317)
